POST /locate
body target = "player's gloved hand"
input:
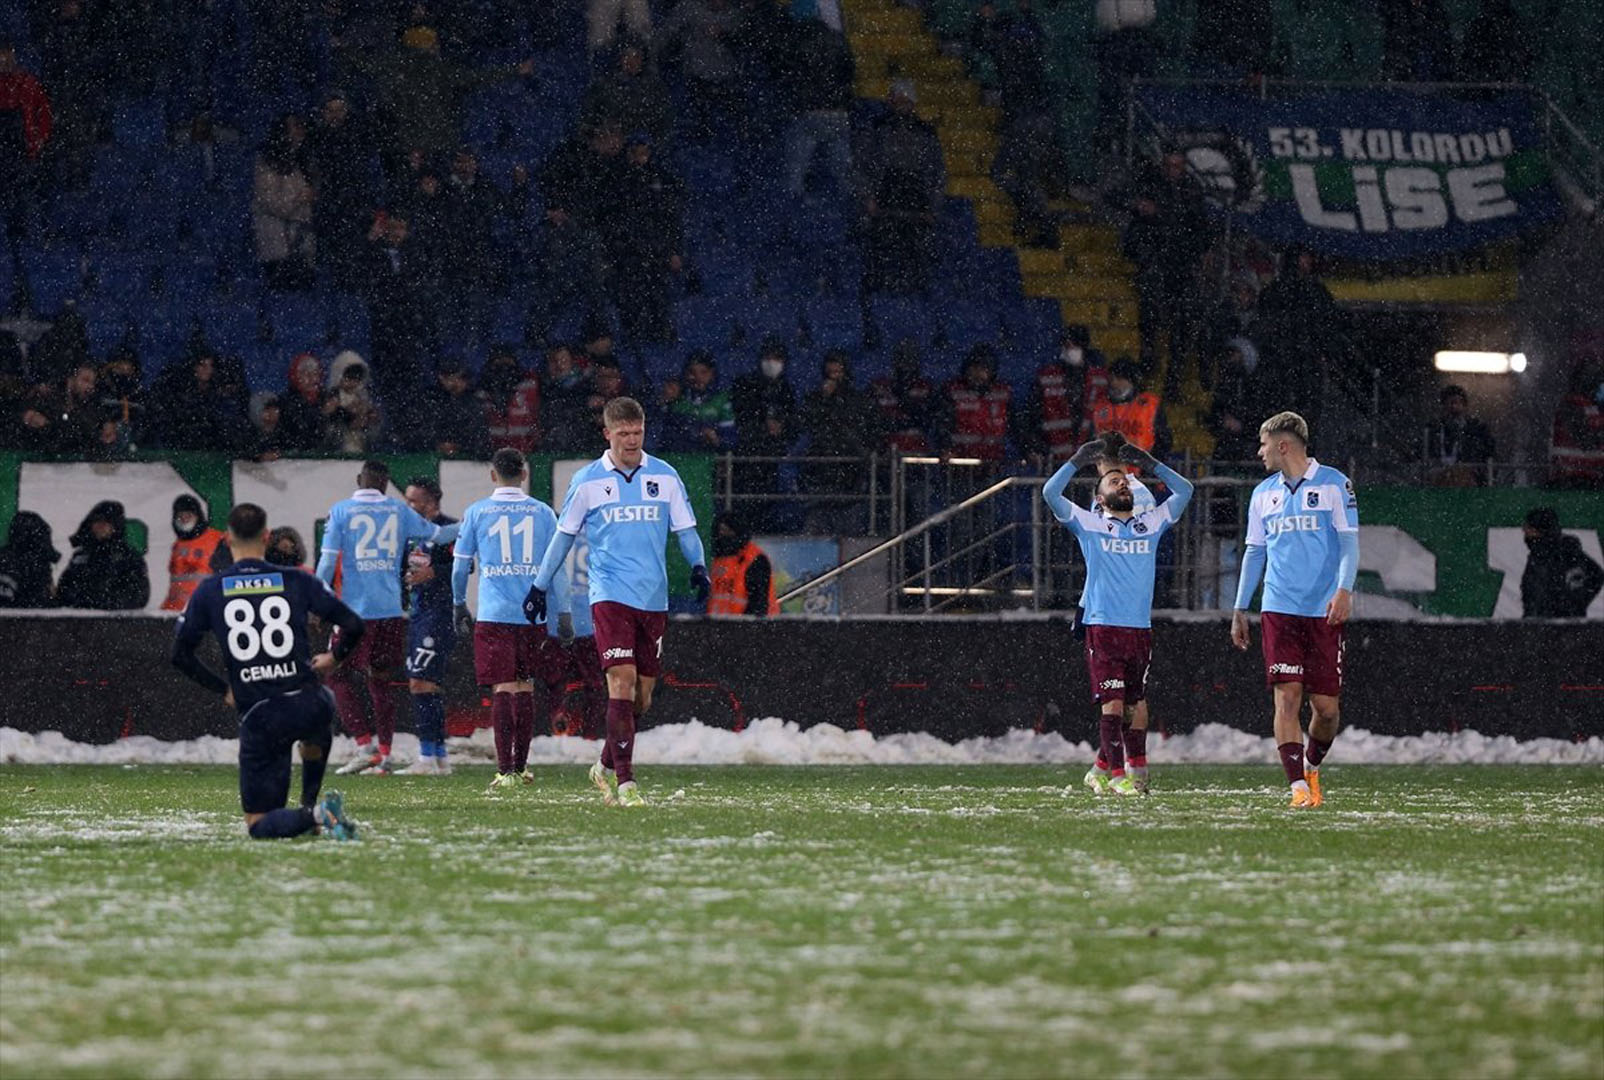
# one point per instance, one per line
(701, 583)
(1131, 454)
(565, 628)
(462, 619)
(535, 605)
(1088, 453)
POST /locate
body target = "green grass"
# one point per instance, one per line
(914, 921)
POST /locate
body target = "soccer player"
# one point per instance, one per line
(627, 503)
(257, 612)
(363, 540)
(1303, 537)
(431, 631)
(1121, 551)
(507, 533)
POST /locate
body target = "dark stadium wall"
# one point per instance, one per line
(96, 679)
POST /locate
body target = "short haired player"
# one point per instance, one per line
(628, 503)
(257, 611)
(1121, 551)
(1303, 538)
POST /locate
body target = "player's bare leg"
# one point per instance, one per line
(1289, 739)
(1325, 719)
(1136, 745)
(624, 689)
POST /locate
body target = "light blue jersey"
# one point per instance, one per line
(577, 571)
(1307, 533)
(627, 517)
(1121, 554)
(507, 534)
(367, 535)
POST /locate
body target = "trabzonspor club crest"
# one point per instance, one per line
(651, 489)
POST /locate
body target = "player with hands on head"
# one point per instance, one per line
(1120, 547)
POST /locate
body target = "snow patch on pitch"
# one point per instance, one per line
(772, 741)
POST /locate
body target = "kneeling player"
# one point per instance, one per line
(1121, 552)
(257, 612)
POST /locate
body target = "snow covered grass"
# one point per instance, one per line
(975, 920)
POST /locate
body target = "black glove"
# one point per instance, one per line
(1131, 454)
(535, 604)
(1088, 453)
(1112, 442)
(565, 628)
(462, 619)
(701, 583)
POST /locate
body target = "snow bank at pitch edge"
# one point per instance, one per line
(773, 741)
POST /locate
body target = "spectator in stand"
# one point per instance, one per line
(631, 97)
(838, 420)
(1167, 235)
(1050, 424)
(25, 562)
(473, 206)
(122, 394)
(576, 182)
(907, 402)
(977, 410)
(1086, 365)
(903, 184)
(1239, 402)
(1030, 168)
(743, 576)
(286, 548)
(598, 338)
(1560, 580)
(105, 573)
(815, 73)
(510, 397)
(1497, 46)
(25, 123)
(281, 208)
(606, 382)
(198, 551)
(1234, 319)
(352, 421)
(1417, 43)
(402, 297)
(69, 420)
(1300, 333)
(1016, 45)
(15, 390)
(696, 414)
(268, 439)
(564, 415)
(424, 208)
(1137, 415)
(705, 34)
(189, 411)
(1576, 452)
(765, 426)
(645, 238)
(301, 405)
(73, 66)
(63, 349)
(1458, 445)
(603, 16)
(457, 419)
(1127, 47)
(340, 152)
(1232, 39)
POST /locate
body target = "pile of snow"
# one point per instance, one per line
(772, 741)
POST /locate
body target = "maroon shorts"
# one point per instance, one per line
(382, 647)
(626, 635)
(1305, 649)
(507, 652)
(1118, 657)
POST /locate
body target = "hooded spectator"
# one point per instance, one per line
(301, 405)
(352, 422)
(105, 573)
(25, 563)
(269, 439)
(198, 551)
(1560, 580)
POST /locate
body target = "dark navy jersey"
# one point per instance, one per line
(432, 601)
(257, 612)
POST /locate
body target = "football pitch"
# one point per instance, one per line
(923, 921)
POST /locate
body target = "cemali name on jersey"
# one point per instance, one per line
(627, 517)
(369, 531)
(1297, 524)
(507, 534)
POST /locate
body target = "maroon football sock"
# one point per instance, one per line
(504, 723)
(524, 715)
(348, 703)
(621, 737)
(1113, 750)
(1292, 760)
(1136, 747)
(1318, 749)
(383, 696)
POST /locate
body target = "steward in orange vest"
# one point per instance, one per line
(743, 579)
(198, 552)
(1137, 416)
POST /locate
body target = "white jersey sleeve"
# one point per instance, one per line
(1256, 537)
(575, 507)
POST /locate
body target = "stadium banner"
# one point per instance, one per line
(953, 677)
(1458, 551)
(796, 559)
(1364, 174)
(295, 491)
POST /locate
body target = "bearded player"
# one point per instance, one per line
(1303, 537)
(627, 503)
(1121, 551)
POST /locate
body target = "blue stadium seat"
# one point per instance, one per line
(53, 278)
(139, 122)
